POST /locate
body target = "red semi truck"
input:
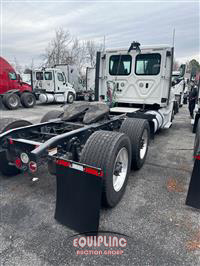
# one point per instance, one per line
(12, 89)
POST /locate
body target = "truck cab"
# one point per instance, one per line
(51, 85)
(10, 80)
(137, 77)
(13, 90)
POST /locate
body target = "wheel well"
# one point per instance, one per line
(26, 91)
(152, 129)
(12, 91)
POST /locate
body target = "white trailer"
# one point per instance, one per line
(74, 78)
(72, 75)
(137, 80)
(90, 78)
(51, 85)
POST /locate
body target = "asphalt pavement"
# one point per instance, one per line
(160, 228)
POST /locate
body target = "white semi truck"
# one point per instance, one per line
(179, 84)
(93, 145)
(52, 85)
(138, 80)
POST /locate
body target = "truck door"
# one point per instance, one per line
(12, 81)
(167, 73)
(60, 82)
(48, 82)
(38, 78)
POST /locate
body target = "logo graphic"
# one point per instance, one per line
(105, 243)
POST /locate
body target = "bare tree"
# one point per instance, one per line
(17, 66)
(91, 49)
(176, 65)
(64, 49)
(57, 51)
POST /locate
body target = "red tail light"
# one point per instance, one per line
(33, 166)
(18, 163)
(10, 141)
(197, 157)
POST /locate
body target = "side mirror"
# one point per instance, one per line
(18, 77)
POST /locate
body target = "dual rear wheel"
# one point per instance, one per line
(5, 125)
(116, 153)
(12, 100)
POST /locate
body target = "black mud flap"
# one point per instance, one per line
(193, 196)
(78, 200)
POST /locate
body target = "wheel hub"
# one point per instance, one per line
(144, 144)
(120, 169)
(13, 101)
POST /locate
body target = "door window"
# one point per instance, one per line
(39, 75)
(147, 64)
(13, 76)
(120, 65)
(60, 77)
(48, 75)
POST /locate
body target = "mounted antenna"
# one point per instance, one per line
(173, 38)
(134, 46)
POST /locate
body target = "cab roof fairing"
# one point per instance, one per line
(46, 70)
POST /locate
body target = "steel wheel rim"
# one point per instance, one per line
(86, 98)
(119, 176)
(143, 144)
(71, 98)
(13, 101)
(30, 100)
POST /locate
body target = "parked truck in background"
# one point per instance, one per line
(62, 83)
(197, 111)
(83, 92)
(179, 84)
(13, 90)
(52, 85)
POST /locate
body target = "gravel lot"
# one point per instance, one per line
(162, 230)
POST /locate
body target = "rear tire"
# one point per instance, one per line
(11, 101)
(70, 97)
(139, 133)
(92, 97)
(86, 97)
(5, 125)
(28, 99)
(102, 150)
(197, 139)
(51, 115)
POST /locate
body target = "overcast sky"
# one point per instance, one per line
(28, 26)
